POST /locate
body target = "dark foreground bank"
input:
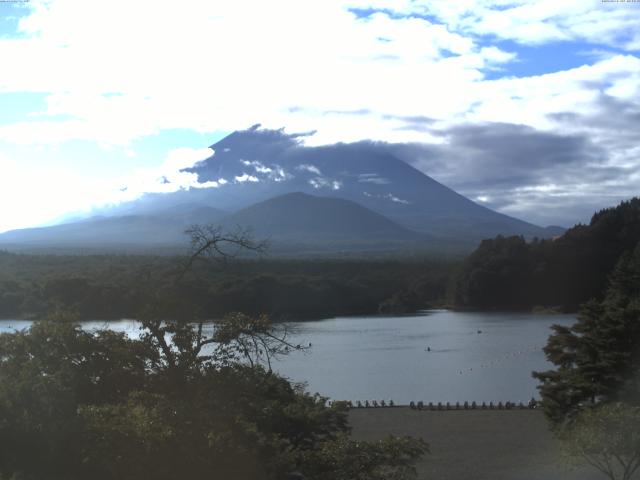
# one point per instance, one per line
(474, 444)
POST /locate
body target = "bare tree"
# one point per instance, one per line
(212, 242)
(236, 337)
(253, 339)
(606, 437)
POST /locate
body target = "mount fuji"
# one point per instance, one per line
(356, 196)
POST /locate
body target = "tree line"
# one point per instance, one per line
(562, 273)
(115, 286)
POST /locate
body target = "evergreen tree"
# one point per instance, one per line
(561, 273)
(598, 358)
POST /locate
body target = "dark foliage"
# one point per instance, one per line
(117, 286)
(179, 402)
(598, 358)
(510, 273)
(78, 405)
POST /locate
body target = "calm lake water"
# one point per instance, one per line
(367, 358)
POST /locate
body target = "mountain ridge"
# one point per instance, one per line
(255, 165)
(292, 222)
(363, 172)
(301, 221)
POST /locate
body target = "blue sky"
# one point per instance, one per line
(95, 96)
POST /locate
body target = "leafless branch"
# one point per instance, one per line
(212, 242)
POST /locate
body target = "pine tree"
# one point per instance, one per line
(598, 358)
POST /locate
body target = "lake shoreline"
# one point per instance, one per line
(329, 314)
(435, 356)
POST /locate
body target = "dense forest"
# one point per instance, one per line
(117, 286)
(560, 274)
(598, 358)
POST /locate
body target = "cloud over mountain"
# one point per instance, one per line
(317, 195)
(436, 73)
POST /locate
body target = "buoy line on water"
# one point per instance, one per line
(501, 359)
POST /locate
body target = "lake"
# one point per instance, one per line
(435, 356)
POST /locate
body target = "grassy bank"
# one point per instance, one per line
(473, 444)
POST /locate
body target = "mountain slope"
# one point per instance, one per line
(255, 165)
(294, 222)
(259, 164)
(321, 223)
(163, 228)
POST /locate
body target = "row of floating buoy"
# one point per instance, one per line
(299, 346)
(372, 403)
(420, 405)
(499, 360)
(365, 403)
(473, 406)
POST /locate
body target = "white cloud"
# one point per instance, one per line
(495, 55)
(117, 76)
(114, 88)
(532, 100)
(181, 158)
(168, 177)
(387, 196)
(280, 175)
(317, 183)
(40, 194)
(594, 21)
(35, 196)
(305, 167)
(324, 182)
(245, 177)
(372, 178)
(259, 167)
(395, 199)
(274, 172)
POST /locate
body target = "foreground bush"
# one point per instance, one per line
(172, 404)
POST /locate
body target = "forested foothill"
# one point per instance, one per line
(559, 274)
(107, 286)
